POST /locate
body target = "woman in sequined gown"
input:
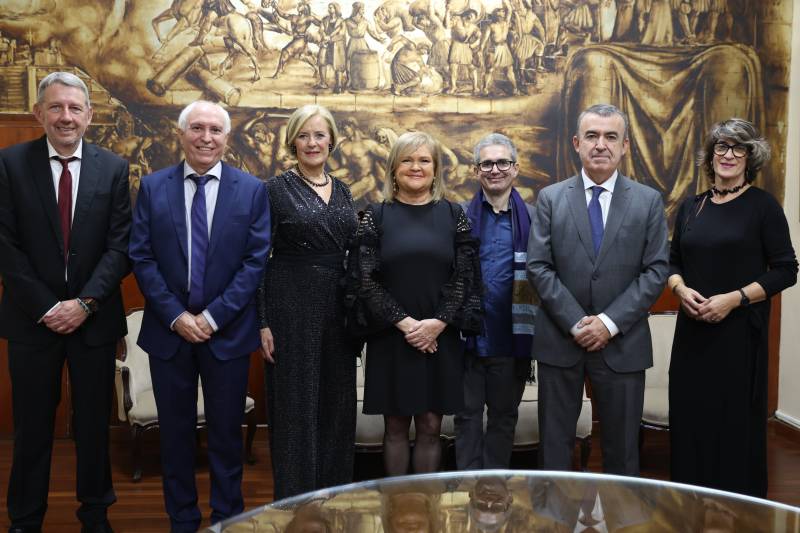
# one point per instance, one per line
(420, 282)
(310, 363)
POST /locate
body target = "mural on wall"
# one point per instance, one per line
(456, 68)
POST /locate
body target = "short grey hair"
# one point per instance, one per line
(183, 118)
(62, 78)
(494, 139)
(603, 110)
(738, 131)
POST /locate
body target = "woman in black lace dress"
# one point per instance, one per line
(310, 364)
(420, 281)
(731, 252)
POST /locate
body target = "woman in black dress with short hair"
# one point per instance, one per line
(731, 251)
(310, 362)
(421, 282)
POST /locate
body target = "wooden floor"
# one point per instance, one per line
(140, 507)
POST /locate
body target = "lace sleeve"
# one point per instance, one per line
(382, 308)
(461, 304)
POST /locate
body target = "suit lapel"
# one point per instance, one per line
(42, 176)
(225, 197)
(88, 182)
(620, 202)
(580, 214)
(177, 207)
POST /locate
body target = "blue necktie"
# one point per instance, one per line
(199, 244)
(596, 218)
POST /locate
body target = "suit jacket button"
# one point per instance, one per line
(595, 277)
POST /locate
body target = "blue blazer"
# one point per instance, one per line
(240, 240)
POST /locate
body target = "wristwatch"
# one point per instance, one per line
(90, 305)
(745, 301)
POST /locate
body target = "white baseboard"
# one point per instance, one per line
(788, 419)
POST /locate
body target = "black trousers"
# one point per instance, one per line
(495, 384)
(36, 391)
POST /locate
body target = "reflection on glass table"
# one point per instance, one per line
(516, 501)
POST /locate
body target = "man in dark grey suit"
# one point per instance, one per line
(597, 256)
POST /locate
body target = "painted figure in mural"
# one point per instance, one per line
(333, 49)
(495, 51)
(681, 9)
(598, 258)
(577, 25)
(261, 140)
(720, 352)
(298, 46)
(527, 45)
(60, 195)
(659, 31)
(186, 13)
(310, 362)
(358, 26)
(199, 321)
(625, 29)
(464, 49)
(408, 67)
(358, 161)
(427, 295)
(498, 361)
(552, 21)
(211, 10)
(434, 29)
(718, 9)
(256, 15)
(124, 141)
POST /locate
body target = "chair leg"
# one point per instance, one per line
(586, 450)
(251, 435)
(136, 433)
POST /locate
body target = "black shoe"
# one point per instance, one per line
(102, 527)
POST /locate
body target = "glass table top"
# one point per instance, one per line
(516, 501)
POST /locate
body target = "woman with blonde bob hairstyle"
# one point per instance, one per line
(310, 361)
(419, 280)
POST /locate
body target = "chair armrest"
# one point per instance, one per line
(125, 379)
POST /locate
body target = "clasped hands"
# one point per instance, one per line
(66, 317)
(193, 328)
(712, 309)
(592, 334)
(422, 334)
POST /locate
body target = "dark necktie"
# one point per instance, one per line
(596, 218)
(199, 244)
(65, 201)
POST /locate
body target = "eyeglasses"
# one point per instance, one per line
(739, 150)
(501, 164)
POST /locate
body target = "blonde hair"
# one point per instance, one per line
(300, 116)
(409, 143)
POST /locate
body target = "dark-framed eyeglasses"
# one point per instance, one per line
(501, 164)
(739, 150)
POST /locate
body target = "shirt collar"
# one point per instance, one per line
(490, 207)
(215, 171)
(51, 152)
(608, 185)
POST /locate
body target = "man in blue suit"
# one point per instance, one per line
(199, 242)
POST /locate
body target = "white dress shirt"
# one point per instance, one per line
(605, 205)
(75, 170)
(189, 188)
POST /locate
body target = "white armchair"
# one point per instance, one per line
(136, 404)
(656, 382)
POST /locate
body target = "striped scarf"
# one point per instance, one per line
(524, 300)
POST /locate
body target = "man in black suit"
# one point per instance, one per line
(64, 225)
